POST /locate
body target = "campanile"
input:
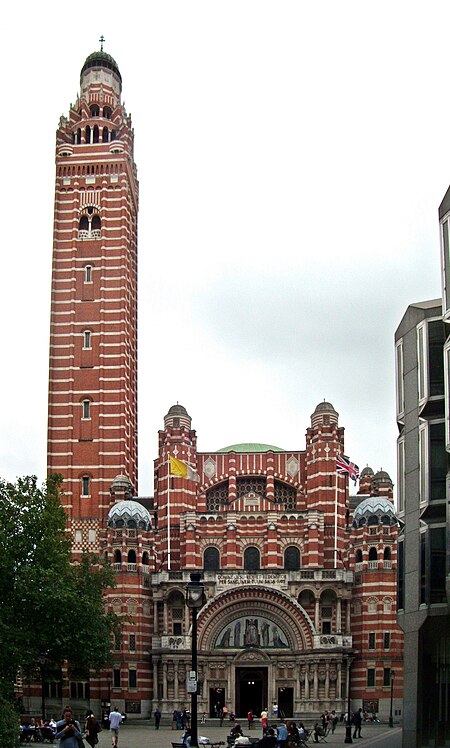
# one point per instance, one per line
(92, 418)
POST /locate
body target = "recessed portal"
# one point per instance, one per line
(251, 690)
(285, 702)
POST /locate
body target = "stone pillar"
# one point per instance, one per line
(347, 612)
(316, 681)
(155, 617)
(165, 681)
(155, 681)
(327, 680)
(175, 683)
(339, 615)
(307, 682)
(339, 681)
(165, 619)
(317, 614)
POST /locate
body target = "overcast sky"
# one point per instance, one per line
(291, 156)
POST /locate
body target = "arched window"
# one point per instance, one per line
(113, 135)
(117, 557)
(96, 223)
(87, 339)
(252, 559)
(131, 557)
(86, 404)
(105, 135)
(96, 135)
(88, 273)
(95, 110)
(85, 485)
(211, 559)
(359, 556)
(84, 224)
(87, 136)
(373, 556)
(387, 553)
(78, 139)
(145, 558)
(292, 558)
(107, 112)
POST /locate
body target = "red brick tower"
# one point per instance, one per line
(92, 424)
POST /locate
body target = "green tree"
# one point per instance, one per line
(48, 604)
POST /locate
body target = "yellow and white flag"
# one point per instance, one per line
(182, 469)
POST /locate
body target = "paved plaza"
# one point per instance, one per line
(145, 735)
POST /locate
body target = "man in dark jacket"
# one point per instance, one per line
(357, 722)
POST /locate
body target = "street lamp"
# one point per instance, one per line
(391, 719)
(42, 660)
(195, 593)
(348, 725)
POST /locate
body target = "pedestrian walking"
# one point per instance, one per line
(158, 716)
(68, 730)
(357, 722)
(115, 720)
(92, 728)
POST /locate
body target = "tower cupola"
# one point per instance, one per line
(324, 415)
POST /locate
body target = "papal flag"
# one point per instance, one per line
(182, 469)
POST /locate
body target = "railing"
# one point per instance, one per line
(328, 641)
(117, 567)
(145, 568)
(387, 564)
(372, 564)
(279, 578)
(131, 567)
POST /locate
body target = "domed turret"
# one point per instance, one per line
(129, 514)
(374, 510)
(177, 417)
(365, 480)
(382, 484)
(324, 414)
(121, 487)
(100, 60)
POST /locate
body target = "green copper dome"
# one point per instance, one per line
(103, 60)
(250, 447)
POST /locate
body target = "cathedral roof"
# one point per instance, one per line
(251, 447)
(103, 60)
(129, 514)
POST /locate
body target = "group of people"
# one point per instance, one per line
(181, 719)
(68, 730)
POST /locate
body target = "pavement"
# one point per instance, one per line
(144, 735)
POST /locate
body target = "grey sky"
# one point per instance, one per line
(291, 159)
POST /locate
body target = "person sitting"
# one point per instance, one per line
(236, 730)
(242, 740)
(269, 739)
(282, 735)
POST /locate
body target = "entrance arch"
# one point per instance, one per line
(250, 690)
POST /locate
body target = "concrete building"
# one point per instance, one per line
(422, 402)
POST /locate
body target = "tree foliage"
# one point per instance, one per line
(49, 605)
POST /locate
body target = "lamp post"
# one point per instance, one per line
(391, 719)
(42, 659)
(348, 725)
(194, 600)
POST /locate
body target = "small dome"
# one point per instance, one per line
(103, 60)
(324, 407)
(129, 514)
(382, 477)
(374, 510)
(367, 471)
(177, 410)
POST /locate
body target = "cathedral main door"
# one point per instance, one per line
(251, 690)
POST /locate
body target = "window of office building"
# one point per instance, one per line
(438, 461)
(436, 340)
(437, 564)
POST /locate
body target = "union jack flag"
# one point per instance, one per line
(344, 466)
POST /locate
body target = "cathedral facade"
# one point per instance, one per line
(299, 577)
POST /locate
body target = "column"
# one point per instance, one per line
(327, 680)
(165, 619)
(307, 682)
(164, 681)
(339, 615)
(175, 683)
(155, 618)
(155, 681)
(347, 613)
(316, 681)
(316, 614)
(339, 681)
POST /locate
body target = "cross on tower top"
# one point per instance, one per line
(101, 40)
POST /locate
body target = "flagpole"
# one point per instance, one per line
(168, 510)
